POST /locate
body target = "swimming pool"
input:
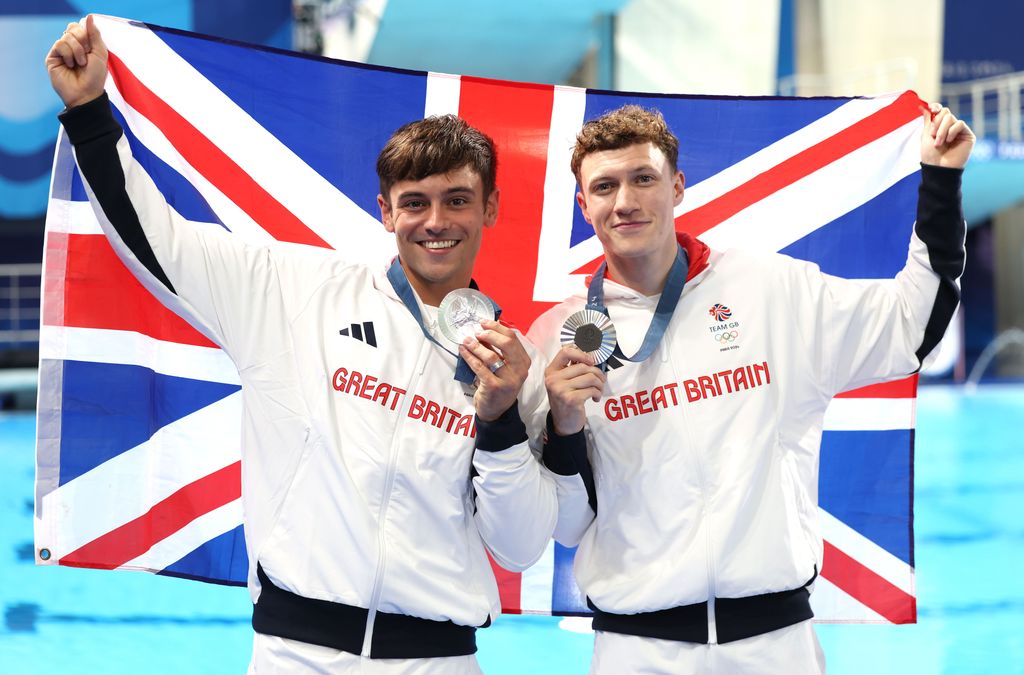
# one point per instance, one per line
(969, 550)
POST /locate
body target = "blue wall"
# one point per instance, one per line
(982, 39)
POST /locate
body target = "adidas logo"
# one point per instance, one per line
(362, 332)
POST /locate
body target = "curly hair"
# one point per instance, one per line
(436, 145)
(623, 127)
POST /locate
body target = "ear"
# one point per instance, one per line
(385, 213)
(678, 187)
(582, 201)
(491, 208)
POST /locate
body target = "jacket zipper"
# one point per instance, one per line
(389, 484)
(712, 579)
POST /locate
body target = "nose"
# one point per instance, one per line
(625, 200)
(434, 219)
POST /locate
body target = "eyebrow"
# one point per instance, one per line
(457, 190)
(646, 167)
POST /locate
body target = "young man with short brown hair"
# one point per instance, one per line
(374, 483)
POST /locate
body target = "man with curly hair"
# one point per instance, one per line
(695, 504)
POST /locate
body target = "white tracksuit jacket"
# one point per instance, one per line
(705, 456)
(357, 442)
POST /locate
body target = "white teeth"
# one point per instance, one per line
(447, 243)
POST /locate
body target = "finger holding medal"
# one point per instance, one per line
(501, 365)
(571, 379)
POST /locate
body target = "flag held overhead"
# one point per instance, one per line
(138, 448)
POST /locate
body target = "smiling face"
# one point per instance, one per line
(629, 195)
(438, 224)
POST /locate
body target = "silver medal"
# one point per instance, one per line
(460, 313)
(591, 332)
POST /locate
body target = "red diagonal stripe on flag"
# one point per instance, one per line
(100, 292)
(867, 587)
(873, 127)
(222, 172)
(135, 537)
(905, 388)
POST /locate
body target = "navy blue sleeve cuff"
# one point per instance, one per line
(940, 186)
(940, 219)
(502, 433)
(89, 121)
(560, 452)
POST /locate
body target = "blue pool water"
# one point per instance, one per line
(970, 577)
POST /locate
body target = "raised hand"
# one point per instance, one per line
(571, 378)
(501, 365)
(77, 63)
(946, 141)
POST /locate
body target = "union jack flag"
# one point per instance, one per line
(720, 312)
(138, 457)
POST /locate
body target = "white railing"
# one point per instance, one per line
(19, 304)
(992, 106)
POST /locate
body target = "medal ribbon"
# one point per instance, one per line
(396, 275)
(662, 313)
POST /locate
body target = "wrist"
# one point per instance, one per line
(563, 429)
(560, 452)
(82, 100)
(565, 423)
(502, 432)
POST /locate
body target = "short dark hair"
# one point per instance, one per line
(623, 127)
(434, 145)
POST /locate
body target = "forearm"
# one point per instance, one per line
(95, 135)
(197, 269)
(876, 330)
(940, 225)
(566, 458)
(516, 504)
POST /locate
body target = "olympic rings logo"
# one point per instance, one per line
(727, 336)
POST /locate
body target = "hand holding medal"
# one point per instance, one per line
(570, 379)
(574, 375)
(491, 349)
